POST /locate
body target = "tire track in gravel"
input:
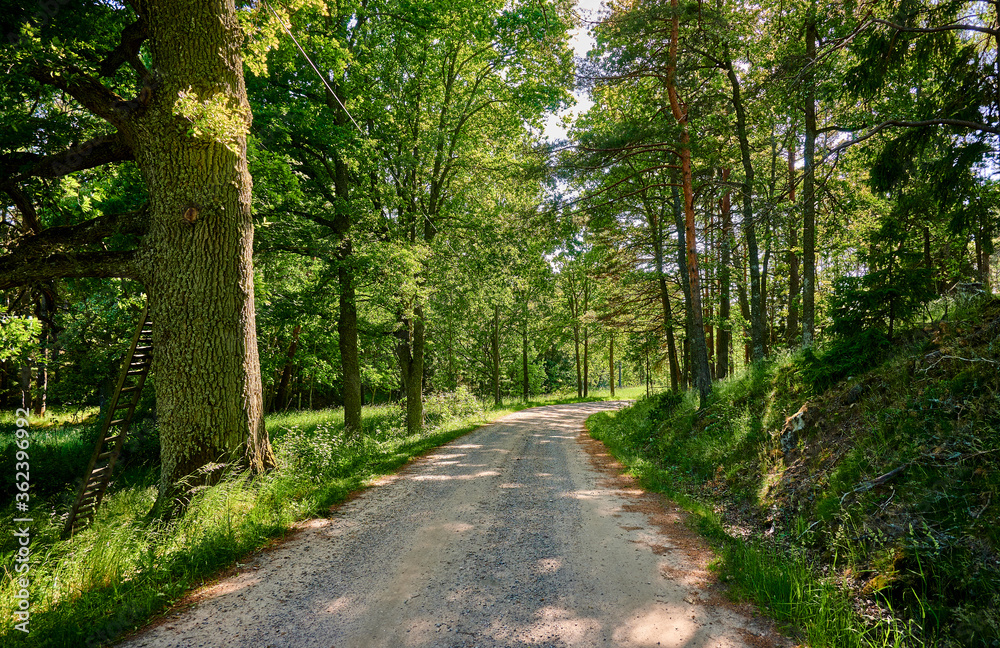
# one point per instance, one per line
(522, 533)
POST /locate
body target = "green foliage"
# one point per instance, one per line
(214, 119)
(842, 358)
(17, 336)
(664, 404)
(877, 300)
(443, 406)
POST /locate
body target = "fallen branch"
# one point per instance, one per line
(948, 357)
(878, 481)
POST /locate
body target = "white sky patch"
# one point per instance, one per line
(582, 41)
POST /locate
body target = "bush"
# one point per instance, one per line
(443, 406)
(849, 356)
(664, 404)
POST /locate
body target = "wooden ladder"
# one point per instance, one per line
(115, 427)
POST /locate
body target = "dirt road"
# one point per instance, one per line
(520, 534)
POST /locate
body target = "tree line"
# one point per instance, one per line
(334, 203)
(800, 170)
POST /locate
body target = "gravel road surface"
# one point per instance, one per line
(520, 534)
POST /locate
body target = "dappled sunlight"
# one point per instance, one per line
(229, 586)
(444, 458)
(658, 625)
(548, 565)
(567, 625)
(582, 494)
(458, 527)
(482, 473)
(340, 605)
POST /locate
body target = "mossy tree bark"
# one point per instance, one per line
(198, 263)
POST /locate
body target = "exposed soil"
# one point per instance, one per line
(523, 533)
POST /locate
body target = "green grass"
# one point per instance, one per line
(784, 586)
(919, 552)
(116, 574)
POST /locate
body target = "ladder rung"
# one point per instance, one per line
(97, 481)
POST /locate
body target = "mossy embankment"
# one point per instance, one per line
(854, 491)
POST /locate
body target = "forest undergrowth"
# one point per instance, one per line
(125, 568)
(853, 491)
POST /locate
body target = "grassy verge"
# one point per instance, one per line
(783, 585)
(863, 486)
(115, 575)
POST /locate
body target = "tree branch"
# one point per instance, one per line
(104, 149)
(14, 272)
(899, 123)
(29, 217)
(90, 92)
(58, 251)
(942, 28)
(127, 50)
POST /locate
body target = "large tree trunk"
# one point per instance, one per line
(656, 235)
(576, 348)
(410, 353)
(495, 355)
(574, 312)
(586, 341)
(347, 324)
(24, 381)
(525, 383)
(702, 374)
(347, 333)
(809, 190)
(685, 287)
(611, 363)
(200, 263)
